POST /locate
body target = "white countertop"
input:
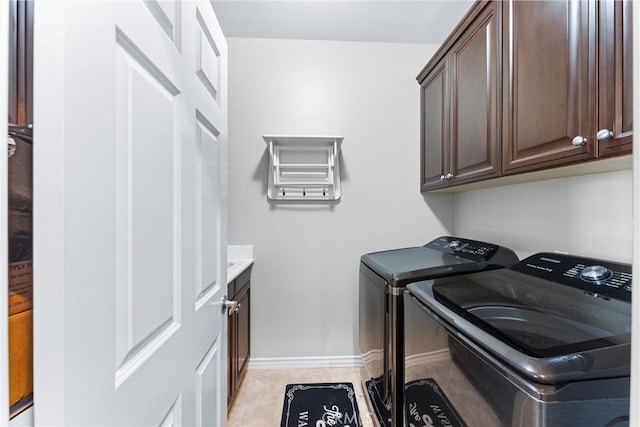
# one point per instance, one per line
(240, 257)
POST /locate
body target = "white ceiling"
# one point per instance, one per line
(392, 21)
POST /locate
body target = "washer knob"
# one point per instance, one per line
(454, 244)
(595, 273)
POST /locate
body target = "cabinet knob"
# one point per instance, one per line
(442, 177)
(579, 141)
(604, 134)
(449, 175)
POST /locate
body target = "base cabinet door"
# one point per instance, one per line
(548, 83)
(232, 343)
(243, 321)
(615, 84)
(239, 343)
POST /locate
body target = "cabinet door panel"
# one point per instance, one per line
(616, 76)
(434, 132)
(232, 343)
(549, 86)
(474, 67)
(244, 333)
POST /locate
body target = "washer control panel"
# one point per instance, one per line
(469, 249)
(597, 277)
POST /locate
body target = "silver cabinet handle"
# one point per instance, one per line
(604, 134)
(449, 175)
(237, 308)
(442, 177)
(231, 306)
(579, 141)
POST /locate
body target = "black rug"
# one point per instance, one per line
(321, 405)
(425, 404)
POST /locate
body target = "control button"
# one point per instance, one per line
(595, 274)
(453, 245)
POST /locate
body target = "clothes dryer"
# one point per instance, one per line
(383, 279)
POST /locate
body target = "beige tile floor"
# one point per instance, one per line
(261, 396)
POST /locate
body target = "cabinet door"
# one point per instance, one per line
(549, 83)
(434, 101)
(615, 77)
(243, 322)
(232, 344)
(474, 145)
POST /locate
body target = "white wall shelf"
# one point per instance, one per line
(304, 167)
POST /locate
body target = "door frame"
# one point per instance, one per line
(48, 185)
(4, 282)
(634, 415)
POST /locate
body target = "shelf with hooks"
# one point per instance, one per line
(304, 167)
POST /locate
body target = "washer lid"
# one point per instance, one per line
(534, 316)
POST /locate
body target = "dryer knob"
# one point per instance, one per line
(595, 274)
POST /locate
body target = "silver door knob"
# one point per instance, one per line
(604, 134)
(449, 175)
(442, 177)
(579, 141)
(230, 305)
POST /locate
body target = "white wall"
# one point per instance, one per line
(590, 215)
(305, 279)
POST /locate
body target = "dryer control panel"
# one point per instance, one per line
(469, 249)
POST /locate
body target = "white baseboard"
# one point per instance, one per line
(305, 362)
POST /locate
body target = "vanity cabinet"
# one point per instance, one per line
(523, 86)
(460, 107)
(239, 332)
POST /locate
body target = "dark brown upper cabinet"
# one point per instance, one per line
(523, 86)
(475, 151)
(434, 93)
(21, 63)
(460, 107)
(615, 86)
(548, 83)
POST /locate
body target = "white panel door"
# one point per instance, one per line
(130, 241)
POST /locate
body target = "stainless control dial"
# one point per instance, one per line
(595, 274)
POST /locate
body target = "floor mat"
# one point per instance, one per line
(425, 404)
(320, 405)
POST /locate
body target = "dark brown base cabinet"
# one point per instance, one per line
(523, 86)
(239, 332)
